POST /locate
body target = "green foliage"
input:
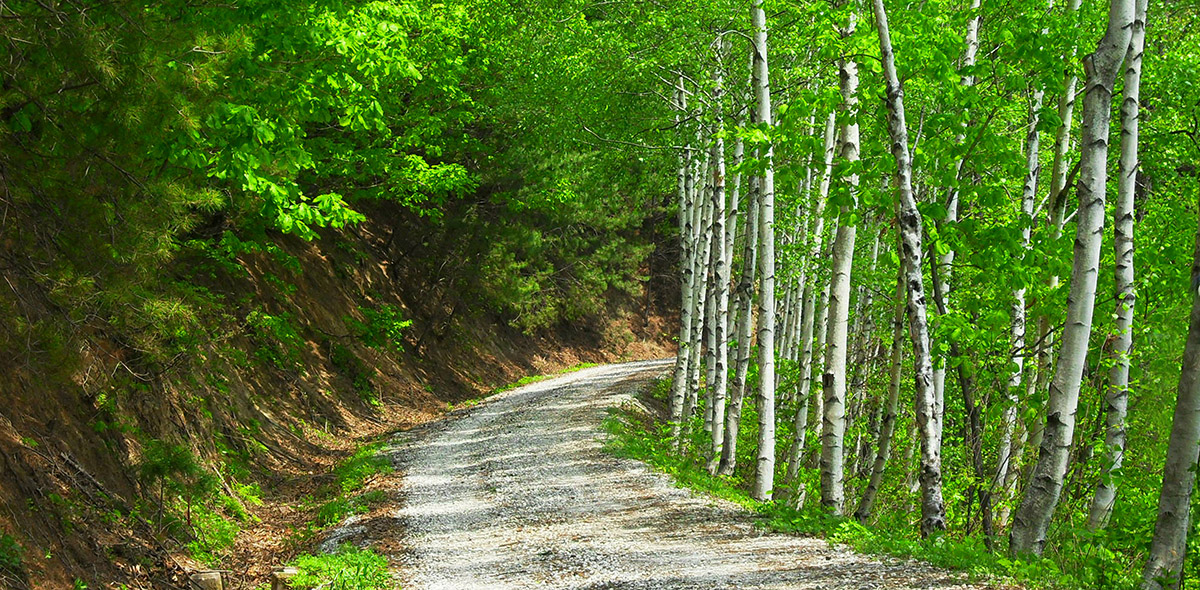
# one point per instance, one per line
(368, 461)
(1086, 564)
(382, 327)
(278, 341)
(345, 361)
(337, 509)
(190, 501)
(11, 556)
(213, 534)
(350, 568)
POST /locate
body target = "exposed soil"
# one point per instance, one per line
(518, 493)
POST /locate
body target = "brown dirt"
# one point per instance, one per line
(72, 427)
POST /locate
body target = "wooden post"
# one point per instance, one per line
(207, 580)
(280, 576)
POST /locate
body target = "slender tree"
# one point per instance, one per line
(764, 479)
(1165, 562)
(929, 419)
(721, 268)
(1117, 398)
(833, 426)
(686, 355)
(796, 450)
(888, 420)
(1033, 517)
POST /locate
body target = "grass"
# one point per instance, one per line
(636, 436)
(523, 381)
(535, 378)
(349, 568)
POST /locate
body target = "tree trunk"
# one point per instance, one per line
(721, 268)
(1005, 453)
(833, 427)
(745, 331)
(929, 418)
(945, 262)
(702, 215)
(764, 480)
(1165, 562)
(888, 423)
(1057, 206)
(686, 355)
(1033, 517)
(1117, 399)
(796, 452)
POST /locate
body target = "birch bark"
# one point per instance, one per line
(1165, 562)
(929, 419)
(945, 262)
(816, 246)
(721, 268)
(833, 427)
(764, 479)
(888, 422)
(685, 354)
(1032, 519)
(1117, 399)
(1057, 206)
(1005, 453)
(745, 332)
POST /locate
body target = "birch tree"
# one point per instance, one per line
(833, 426)
(764, 479)
(721, 268)
(888, 420)
(1032, 519)
(1165, 562)
(929, 418)
(1117, 398)
(807, 320)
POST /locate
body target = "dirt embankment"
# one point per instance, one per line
(284, 382)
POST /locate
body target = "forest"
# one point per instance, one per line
(929, 271)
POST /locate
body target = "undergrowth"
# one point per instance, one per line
(350, 568)
(634, 435)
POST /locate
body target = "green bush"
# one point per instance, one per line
(381, 328)
(11, 554)
(350, 568)
(352, 474)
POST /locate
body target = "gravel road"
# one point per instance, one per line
(518, 493)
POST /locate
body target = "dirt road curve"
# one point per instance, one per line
(519, 494)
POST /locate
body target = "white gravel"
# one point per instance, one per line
(518, 493)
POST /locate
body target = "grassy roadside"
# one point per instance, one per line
(523, 381)
(349, 568)
(635, 435)
(350, 493)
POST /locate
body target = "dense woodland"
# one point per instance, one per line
(927, 215)
(932, 260)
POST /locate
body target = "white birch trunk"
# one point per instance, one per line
(945, 262)
(721, 268)
(685, 354)
(1006, 451)
(700, 264)
(764, 480)
(888, 422)
(1117, 398)
(1167, 549)
(1056, 215)
(807, 320)
(1032, 519)
(745, 331)
(833, 426)
(929, 418)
